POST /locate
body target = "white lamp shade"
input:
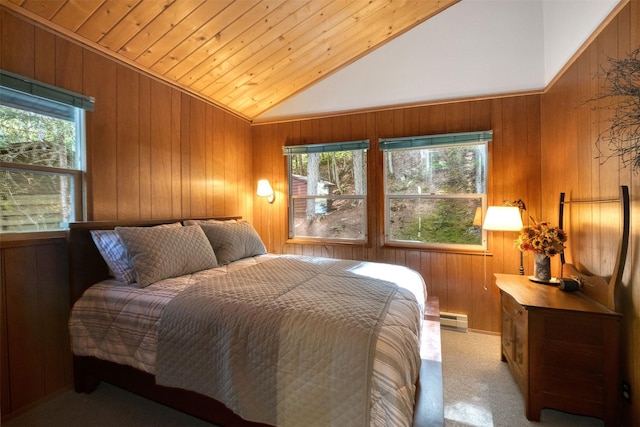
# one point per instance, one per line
(264, 188)
(503, 218)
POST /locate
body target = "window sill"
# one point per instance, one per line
(438, 249)
(30, 237)
(302, 241)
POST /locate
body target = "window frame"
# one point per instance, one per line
(288, 152)
(31, 88)
(435, 141)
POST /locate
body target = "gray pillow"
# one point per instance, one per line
(160, 253)
(232, 241)
(114, 252)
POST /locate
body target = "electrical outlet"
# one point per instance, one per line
(626, 391)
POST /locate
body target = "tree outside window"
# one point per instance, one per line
(40, 162)
(327, 191)
(434, 188)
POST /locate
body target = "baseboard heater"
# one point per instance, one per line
(455, 321)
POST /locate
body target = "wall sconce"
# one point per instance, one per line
(504, 218)
(265, 190)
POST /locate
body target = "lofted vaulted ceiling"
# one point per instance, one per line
(244, 55)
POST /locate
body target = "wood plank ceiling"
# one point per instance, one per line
(243, 55)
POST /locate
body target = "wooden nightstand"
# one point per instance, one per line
(562, 349)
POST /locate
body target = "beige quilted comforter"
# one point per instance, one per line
(367, 379)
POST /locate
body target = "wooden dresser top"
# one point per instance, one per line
(536, 295)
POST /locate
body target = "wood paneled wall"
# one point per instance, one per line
(458, 279)
(35, 353)
(152, 150)
(570, 126)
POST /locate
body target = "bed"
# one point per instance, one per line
(246, 371)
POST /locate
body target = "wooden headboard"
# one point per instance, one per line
(599, 288)
(86, 265)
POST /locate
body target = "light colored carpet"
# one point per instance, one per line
(478, 391)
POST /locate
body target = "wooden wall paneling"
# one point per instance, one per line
(531, 150)
(68, 62)
(5, 386)
(610, 170)
(437, 119)
(144, 176)
(247, 188)
(53, 309)
(425, 271)
(45, 56)
(17, 32)
(594, 68)
(581, 188)
(128, 142)
(24, 334)
(185, 155)
(516, 171)
(440, 279)
(494, 180)
(176, 153)
(218, 162)
(457, 117)
(412, 259)
(460, 284)
(480, 115)
(631, 295)
(160, 153)
(99, 81)
(485, 307)
(198, 160)
(210, 153)
(230, 166)
(261, 211)
(341, 129)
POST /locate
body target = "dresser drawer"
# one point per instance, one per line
(513, 309)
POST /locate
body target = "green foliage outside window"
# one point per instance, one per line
(37, 196)
(433, 194)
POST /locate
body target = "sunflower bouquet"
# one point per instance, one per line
(542, 238)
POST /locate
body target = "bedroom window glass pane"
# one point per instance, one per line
(41, 162)
(434, 195)
(36, 201)
(327, 195)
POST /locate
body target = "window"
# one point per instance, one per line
(41, 155)
(327, 191)
(434, 186)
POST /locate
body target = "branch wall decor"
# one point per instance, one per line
(622, 91)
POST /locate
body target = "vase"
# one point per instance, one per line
(542, 267)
